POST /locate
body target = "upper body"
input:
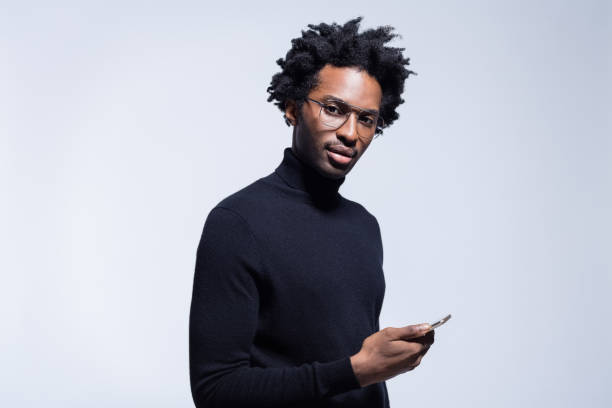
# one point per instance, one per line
(289, 282)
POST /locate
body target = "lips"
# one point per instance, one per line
(343, 150)
(340, 156)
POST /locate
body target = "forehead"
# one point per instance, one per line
(349, 84)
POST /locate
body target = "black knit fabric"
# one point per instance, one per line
(288, 283)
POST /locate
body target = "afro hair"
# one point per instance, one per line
(342, 46)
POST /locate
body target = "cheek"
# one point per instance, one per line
(364, 146)
(310, 134)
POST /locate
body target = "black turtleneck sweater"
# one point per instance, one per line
(288, 283)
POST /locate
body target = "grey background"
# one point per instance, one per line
(123, 123)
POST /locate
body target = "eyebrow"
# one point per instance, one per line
(336, 99)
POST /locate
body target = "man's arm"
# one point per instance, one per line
(223, 322)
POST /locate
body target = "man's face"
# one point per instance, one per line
(313, 142)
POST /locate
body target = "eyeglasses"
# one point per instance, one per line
(334, 113)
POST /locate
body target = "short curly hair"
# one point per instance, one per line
(342, 46)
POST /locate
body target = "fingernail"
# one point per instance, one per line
(423, 327)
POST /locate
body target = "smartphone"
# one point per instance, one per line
(440, 322)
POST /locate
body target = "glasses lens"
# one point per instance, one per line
(334, 114)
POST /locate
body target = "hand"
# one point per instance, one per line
(391, 351)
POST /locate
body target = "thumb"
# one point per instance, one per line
(411, 331)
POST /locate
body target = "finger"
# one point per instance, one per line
(419, 350)
(408, 349)
(408, 332)
(424, 339)
(409, 368)
(415, 361)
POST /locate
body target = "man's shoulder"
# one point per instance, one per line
(249, 198)
(360, 210)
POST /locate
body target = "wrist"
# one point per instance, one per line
(358, 368)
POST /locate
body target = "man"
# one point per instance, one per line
(288, 282)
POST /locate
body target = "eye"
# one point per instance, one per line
(333, 109)
(367, 120)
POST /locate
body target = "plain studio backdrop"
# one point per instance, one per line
(123, 123)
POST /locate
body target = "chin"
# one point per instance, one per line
(335, 172)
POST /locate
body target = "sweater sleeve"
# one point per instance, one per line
(223, 321)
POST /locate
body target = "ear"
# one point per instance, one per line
(291, 113)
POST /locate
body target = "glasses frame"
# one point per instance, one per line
(380, 123)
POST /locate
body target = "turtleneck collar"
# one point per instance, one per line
(301, 176)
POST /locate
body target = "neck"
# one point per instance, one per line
(300, 175)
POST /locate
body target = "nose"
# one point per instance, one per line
(348, 131)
